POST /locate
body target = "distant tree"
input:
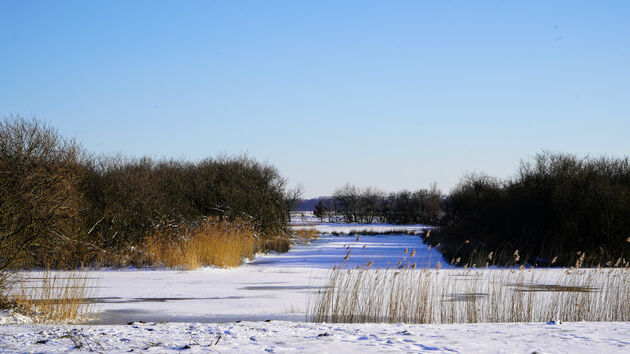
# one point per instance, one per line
(370, 205)
(320, 210)
(292, 199)
(347, 200)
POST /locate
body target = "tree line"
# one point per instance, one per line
(559, 209)
(62, 205)
(352, 204)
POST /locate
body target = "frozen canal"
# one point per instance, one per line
(271, 287)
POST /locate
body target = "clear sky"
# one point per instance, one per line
(392, 94)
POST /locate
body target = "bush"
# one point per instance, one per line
(39, 200)
(558, 210)
(62, 207)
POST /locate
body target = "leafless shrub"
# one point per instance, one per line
(60, 207)
(556, 206)
(39, 201)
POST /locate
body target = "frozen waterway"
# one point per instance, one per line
(212, 309)
(270, 287)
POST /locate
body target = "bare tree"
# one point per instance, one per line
(38, 170)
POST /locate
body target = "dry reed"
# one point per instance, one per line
(473, 295)
(213, 243)
(55, 297)
(305, 234)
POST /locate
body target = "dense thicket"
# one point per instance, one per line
(60, 205)
(369, 205)
(559, 209)
(39, 178)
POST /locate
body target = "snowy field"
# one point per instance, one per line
(262, 305)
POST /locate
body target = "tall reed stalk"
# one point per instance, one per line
(214, 242)
(473, 295)
(56, 297)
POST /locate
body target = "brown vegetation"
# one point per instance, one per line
(213, 243)
(56, 297)
(558, 207)
(473, 295)
(305, 234)
(38, 189)
(61, 207)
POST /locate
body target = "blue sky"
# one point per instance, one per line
(392, 94)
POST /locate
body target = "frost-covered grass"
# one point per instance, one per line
(473, 295)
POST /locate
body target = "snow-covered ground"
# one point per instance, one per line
(225, 310)
(301, 337)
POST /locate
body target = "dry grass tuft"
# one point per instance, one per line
(276, 244)
(305, 234)
(56, 297)
(213, 243)
(473, 295)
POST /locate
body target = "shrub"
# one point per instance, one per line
(61, 207)
(39, 201)
(558, 209)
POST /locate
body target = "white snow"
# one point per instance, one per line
(273, 286)
(292, 337)
(202, 306)
(11, 317)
